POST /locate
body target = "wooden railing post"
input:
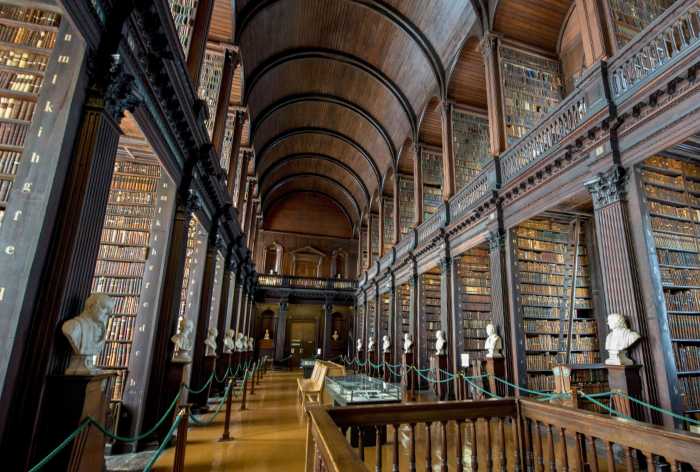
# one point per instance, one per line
(181, 439)
(254, 372)
(245, 388)
(309, 444)
(227, 421)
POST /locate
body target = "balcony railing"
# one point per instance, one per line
(501, 434)
(672, 35)
(431, 225)
(466, 198)
(295, 282)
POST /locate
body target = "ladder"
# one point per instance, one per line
(567, 305)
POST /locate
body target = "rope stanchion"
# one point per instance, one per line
(163, 444)
(197, 392)
(215, 414)
(83, 424)
(478, 387)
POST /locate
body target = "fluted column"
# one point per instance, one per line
(448, 158)
(281, 330)
(198, 44)
(222, 104)
(499, 297)
(417, 185)
(497, 133)
(231, 180)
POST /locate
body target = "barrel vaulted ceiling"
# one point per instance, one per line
(335, 89)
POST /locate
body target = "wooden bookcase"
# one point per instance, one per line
(474, 299)
(431, 165)
(430, 319)
(629, 17)
(228, 141)
(671, 203)
(183, 12)
(471, 145)
(375, 237)
(388, 223)
(406, 207)
(365, 252)
(194, 271)
(210, 84)
(384, 316)
(360, 328)
(532, 87)
(557, 324)
(403, 308)
(27, 39)
(371, 321)
(216, 295)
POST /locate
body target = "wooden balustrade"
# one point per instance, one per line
(289, 281)
(499, 434)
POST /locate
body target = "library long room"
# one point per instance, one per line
(343, 236)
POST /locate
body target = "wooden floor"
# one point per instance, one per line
(269, 436)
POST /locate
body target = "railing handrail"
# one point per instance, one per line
(332, 445)
(296, 281)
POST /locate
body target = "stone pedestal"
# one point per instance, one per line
(388, 377)
(409, 376)
(496, 367)
(626, 379)
(70, 399)
(438, 364)
(200, 401)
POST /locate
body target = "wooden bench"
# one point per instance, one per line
(313, 387)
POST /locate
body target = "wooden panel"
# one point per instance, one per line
(221, 28)
(406, 159)
(294, 213)
(468, 81)
(534, 23)
(431, 126)
(237, 86)
(571, 51)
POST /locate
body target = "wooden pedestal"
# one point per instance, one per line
(409, 376)
(496, 367)
(438, 364)
(222, 366)
(371, 371)
(626, 379)
(476, 371)
(200, 401)
(70, 399)
(359, 368)
(387, 373)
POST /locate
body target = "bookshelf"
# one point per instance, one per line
(388, 203)
(27, 39)
(360, 325)
(384, 315)
(474, 298)
(404, 309)
(671, 189)
(430, 296)
(183, 12)
(557, 322)
(431, 165)
(371, 321)
(216, 294)
(210, 84)
(375, 237)
(229, 131)
(532, 86)
(365, 252)
(406, 207)
(629, 17)
(471, 145)
(124, 251)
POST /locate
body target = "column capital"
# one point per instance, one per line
(608, 187)
(190, 202)
(497, 240)
(488, 44)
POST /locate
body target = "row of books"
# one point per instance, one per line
(13, 134)
(678, 258)
(659, 223)
(649, 176)
(687, 357)
(127, 222)
(16, 109)
(404, 307)
(139, 184)
(210, 84)
(673, 276)
(471, 145)
(131, 253)
(688, 214)
(9, 161)
(669, 195)
(23, 60)
(114, 355)
(675, 242)
(116, 286)
(29, 15)
(676, 165)
(121, 236)
(547, 279)
(684, 326)
(542, 300)
(549, 342)
(552, 327)
(475, 280)
(135, 168)
(131, 211)
(540, 382)
(685, 300)
(545, 235)
(540, 311)
(120, 328)
(539, 245)
(431, 165)
(5, 188)
(552, 290)
(690, 392)
(183, 12)
(473, 344)
(120, 269)
(119, 382)
(125, 197)
(20, 82)
(541, 257)
(31, 37)
(126, 305)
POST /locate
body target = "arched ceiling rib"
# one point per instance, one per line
(284, 196)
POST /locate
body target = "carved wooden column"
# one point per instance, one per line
(359, 250)
(448, 158)
(377, 322)
(240, 300)
(370, 250)
(417, 185)
(497, 133)
(327, 329)
(450, 284)
(222, 104)
(242, 181)
(198, 44)
(380, 222)
(394, 321)
(397, 210)
(231, 181)
(228, 288)
(281, 330)
(619, 270)
(500, 312)
(595, 32)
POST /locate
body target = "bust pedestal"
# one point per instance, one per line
(438, 364)
(626, 379)
(222, 365)
(496, 367)
(70, 399)
(372, 371)
(408, 379)
(200, 401)
(358, 367)
(387, 361)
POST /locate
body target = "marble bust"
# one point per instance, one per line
(440, 343)
(618, 340)
(251, 343)
(210, 341)
(407, 343)
(267, 335)
(358, 345)
(370, 344)
(239, 342)
(386, 344)
(493, 344)
(335, 336)
(182, 341)
(229, 343)
(86, 334)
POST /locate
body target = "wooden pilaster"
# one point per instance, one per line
(231, 181)
(242, 181)
(397, 212)
(370, 250)
(448, 158)
(240, 300)
(327, 333)
(222, 105)
(497, 133)
(595, 35)
(417, 185)
(198, 44)
(500, 311)
(281, 330)
(380, 222)
(359, 250)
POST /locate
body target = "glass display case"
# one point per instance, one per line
(361, 390)
(308, 366)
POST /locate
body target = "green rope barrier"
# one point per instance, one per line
(523, 389)
(477, 387)
(83, 424)
(656, 408)
(214, 415)
(204, 387)
(162, 445)
(610, 410)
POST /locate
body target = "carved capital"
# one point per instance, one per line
(111, 87)
(608, 187)
(445, 265)
(189, 202)
(497, 240)
(489, 44)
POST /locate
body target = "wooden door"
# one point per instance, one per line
(303, 333)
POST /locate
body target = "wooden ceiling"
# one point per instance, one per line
(337, 90)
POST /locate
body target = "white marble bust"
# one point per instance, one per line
(240, 346)
(407, 343)
(370, 344)
(493, 344)
(358, 345)
(386, 344)
(210, 341)
(86, 334)
(618, 340)
(182, 341)
(335, 336)
(251, 343)
(229, 343)
(440, 343)
(267, 335)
